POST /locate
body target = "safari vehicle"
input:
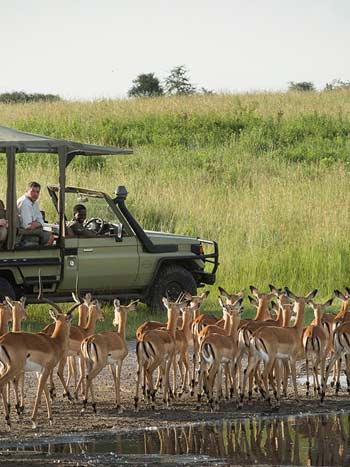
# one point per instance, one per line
(121, 259)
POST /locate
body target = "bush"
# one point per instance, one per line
(20, 97)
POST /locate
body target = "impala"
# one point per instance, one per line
(76, 336)
(18, 314)
(270, 343)
(219, 350)
(315, 344)
(157, 349)
(24, 351)
(106, 348)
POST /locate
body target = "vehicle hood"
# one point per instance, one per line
(161, 237)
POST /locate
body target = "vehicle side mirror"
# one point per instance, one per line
(119, 233)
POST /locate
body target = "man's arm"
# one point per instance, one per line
(38, 217)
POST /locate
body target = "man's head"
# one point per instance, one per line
(79, 213)
(33, 190)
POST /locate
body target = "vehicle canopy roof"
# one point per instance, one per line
(13, 141)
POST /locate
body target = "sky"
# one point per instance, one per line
(91, 49)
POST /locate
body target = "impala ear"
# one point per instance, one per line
(254, 290)
(165, 302)
(339, 295)
(223, 292)
(273, 289)
(116, 303)
(328, 302)
(253, 301)
(23, 301)
(311, 295)
(274, 306)
(205, 294)
(238, 303)
(290, 294)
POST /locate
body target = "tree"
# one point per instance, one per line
(145, 85)
(178, 82)
(301, 86)
(337, 84)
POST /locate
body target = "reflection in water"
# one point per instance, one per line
(301, 441)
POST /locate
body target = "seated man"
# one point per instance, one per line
(3, 224)
(76, 225)
(30, 217)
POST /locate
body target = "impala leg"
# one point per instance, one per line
(81, 377)
(41, 384)
(285, 377)
(322, 376)
(116, 372)
(330, 365)
(174, 373)
(8, 394)
(52, 386)
(265, 376)
(48, 403)
(6, 377)
(307, 376)
(278, 368)
(210, 383)
(194, 361)
(6, 405)
(294, 379)
(347, 371)
(60, 370)
(252, 362)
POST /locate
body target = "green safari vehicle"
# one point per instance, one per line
(121, 259)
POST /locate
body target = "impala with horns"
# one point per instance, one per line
(25, 351)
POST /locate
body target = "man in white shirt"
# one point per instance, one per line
(30, 217)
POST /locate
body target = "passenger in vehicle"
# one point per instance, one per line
(3, 224)
(30, 218)
(76, 225)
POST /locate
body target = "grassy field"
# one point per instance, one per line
(266, 175)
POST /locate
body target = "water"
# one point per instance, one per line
(315, 440)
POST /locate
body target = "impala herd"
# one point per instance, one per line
(228, 354)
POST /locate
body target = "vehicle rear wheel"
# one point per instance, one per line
(170, 282)
(6, 289)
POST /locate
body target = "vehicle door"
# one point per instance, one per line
(107, 262)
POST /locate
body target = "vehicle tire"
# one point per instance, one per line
(171, 281)
(6, 289)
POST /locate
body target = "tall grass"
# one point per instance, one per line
(266, 175)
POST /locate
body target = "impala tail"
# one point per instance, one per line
(208, 353)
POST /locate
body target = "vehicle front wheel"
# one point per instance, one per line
(170, 282)
(6, 289)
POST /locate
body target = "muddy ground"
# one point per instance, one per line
(67, 417)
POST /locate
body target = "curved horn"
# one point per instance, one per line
(77, 302)
(42, 299)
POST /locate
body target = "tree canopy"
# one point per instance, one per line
(146, 85)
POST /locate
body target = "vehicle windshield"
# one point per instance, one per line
(95, 207)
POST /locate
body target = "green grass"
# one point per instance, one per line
(266, 175)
